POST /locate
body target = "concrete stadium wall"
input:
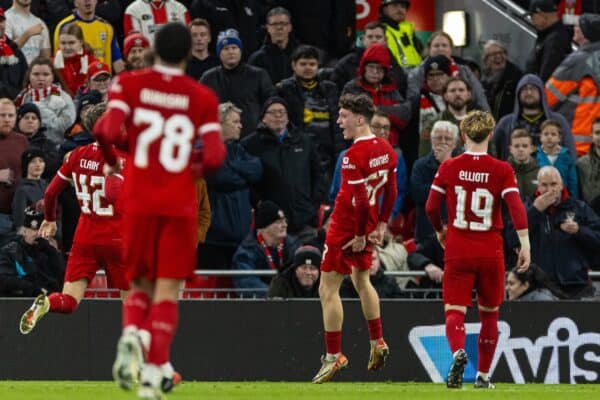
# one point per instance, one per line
(283, 340)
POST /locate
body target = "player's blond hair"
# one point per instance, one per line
(477, 125)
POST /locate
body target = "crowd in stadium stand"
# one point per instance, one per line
(278, 85)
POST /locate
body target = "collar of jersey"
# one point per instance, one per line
(473, 153)
(80, 18)
(163, 69)
(364, 138)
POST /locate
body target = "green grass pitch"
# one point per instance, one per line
(63, 390)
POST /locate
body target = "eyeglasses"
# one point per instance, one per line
(278, 24)
(276, 112)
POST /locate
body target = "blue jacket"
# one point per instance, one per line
(229, 195)
(565, 164)
(564, 257)
(250, 256)
(400, 181)
(508, 123)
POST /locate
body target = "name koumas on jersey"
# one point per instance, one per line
(166, 115)
(371, 162)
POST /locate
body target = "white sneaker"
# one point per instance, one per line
(39, 308)
(150, 387)
(129, 361)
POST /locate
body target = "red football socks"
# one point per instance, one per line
(375, 329)
(136, 308)
(162, 323)
(62, 303)
(455, 329)
(333, 342)
(488, 339)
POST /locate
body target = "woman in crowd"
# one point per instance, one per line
(531, 285)
(73, 58)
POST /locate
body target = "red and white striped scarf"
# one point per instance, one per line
(37, 94)
(7, 55)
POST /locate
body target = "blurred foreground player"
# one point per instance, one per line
(97, 242)
(167, 117)
(368, 170)
(474, 185)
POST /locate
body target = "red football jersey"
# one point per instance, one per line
(474, 185)
(99, 221)
(166, 113)
(370, 161)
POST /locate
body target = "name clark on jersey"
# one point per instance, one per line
(89, 164)
(471, 176)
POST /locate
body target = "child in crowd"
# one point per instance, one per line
(550, 152)
(525, 166)
(31, 189)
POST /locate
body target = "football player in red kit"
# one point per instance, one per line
(167, 116)
(473, 186)
(359, 219)
(97, 243)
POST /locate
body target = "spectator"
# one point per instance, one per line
(229, 195)
(30, 265)
(275, 55)
(12, 145)
(393, 255)
(374, 80)
(572, 228)
(31, 188)
(143, 16)
(574, 86)
(244, 85)
(204, 210)
(73, 58)
(588, 168)
(428, 257)
(29, 124)
(440, 44)
(13, 64)
(133, 49)
(345, 69)
(112, 12)
(400, 34)
(531, 285)
(98, 79)
(553, 42)
(456, 95)
(29, 32)
(380, 126)
(531, 109)
(55, 105)
(525, 166)
(98, 33)
(301, 280)
(551, 153)
(500, 78)
(78, 135)
(292, 176)
(386, 286)
(201, 60)
(267, 248)
(444, 136)
(312, 104)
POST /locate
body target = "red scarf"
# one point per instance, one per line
(267, 252)
(37, 94)
(453, 68)
(7, 55)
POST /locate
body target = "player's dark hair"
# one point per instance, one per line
(477, 125)
(306, 51)
(173, 43)
(551, 122)
(359, 104)
(537, 279)
(520, 133)
(456, 79)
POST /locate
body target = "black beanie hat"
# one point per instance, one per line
(89, 98)
(307, 255)
(590, 26)
(28, 108)
(267, 213)
(33, 218)
(29, 155)
(272, 100)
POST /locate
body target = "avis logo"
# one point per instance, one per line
(563, 355)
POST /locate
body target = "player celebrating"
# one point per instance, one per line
(165, 113)
(97, 241)
(368, 170)
(473, 185)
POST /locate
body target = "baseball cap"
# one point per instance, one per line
(537, 6)
(98, 68)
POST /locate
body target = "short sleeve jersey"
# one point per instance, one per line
(17, 23)
(167, 112)
(474, 185)
(370, 161)
(99, 221)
